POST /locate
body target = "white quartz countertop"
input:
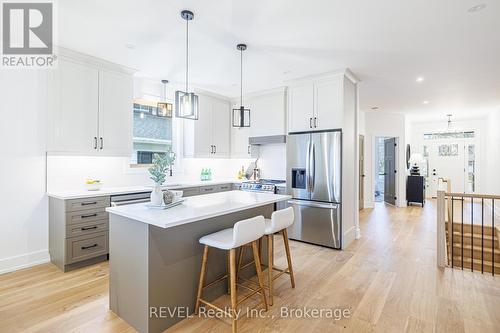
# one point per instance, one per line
(197, 208)
(105, 191)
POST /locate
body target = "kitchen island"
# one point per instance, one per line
(155, 256)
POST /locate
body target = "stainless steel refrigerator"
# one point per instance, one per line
(314, 180)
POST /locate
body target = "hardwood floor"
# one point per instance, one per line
(388, 281)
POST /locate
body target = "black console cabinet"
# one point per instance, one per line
(415, 190)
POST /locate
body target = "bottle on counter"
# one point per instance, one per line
(209, 174)
(203, 175)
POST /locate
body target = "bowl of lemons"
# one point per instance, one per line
(93, 184)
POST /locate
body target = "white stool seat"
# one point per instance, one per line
(279, 220)
(221, 239)
(244, 232)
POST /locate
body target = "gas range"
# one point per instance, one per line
(263, 185)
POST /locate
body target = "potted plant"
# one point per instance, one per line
(158, 173)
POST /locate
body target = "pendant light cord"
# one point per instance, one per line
(241, 77)
(187, 54)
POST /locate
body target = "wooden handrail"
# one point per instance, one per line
(473, 195)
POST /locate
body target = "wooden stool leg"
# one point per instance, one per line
(228, 271)
(202, 278)
(258, 268)
(232, 277)
(270, 265)
(240, 260)
(288, 256)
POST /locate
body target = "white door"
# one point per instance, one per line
(73, 112)
(115, 113)
(328, 110)
(300, 108)
(221, 127)
(447, 160)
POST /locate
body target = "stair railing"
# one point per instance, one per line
(446, 203)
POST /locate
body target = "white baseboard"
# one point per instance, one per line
(23, 261)
(348, 237)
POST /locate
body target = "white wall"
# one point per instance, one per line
(24, 220)
(492, 167)
(388, 125)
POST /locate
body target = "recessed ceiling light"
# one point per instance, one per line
(477, 8)
(130, 46)
(287, 72)
(374, 108)
(420, 79)
(425, 102)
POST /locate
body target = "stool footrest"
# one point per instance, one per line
(220, 279)
(213, 306)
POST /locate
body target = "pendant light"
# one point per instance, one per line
(186, 103)
(241, 116)
(164, 109)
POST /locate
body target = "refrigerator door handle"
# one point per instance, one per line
(308, 166)
(313, 204)
(313, 165)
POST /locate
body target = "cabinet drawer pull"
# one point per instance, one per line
(89, 203)
(88, 228)
(208, 189)
(88, 215)
(88, 247)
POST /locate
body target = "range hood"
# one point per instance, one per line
(267, 140)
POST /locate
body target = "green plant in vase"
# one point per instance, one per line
(158, 174)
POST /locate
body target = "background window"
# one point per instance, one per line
(152, 131)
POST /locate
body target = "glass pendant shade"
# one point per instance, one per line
(241, 117)
(186, 105)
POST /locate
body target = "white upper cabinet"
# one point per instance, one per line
(115, 115)
(209, 136)
(267, 117)
(316, 104)
(221, 124)
(300, 108)
(90, 107)
(73, 92)
(328, 112)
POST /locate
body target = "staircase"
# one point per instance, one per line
(473, 247)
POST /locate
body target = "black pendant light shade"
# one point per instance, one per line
(186, 103)
(241, 116)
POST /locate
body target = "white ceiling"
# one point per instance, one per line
(386, 43)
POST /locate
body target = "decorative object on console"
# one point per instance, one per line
(93, 184)
(186, 103)
(415, 160)
(241, 116)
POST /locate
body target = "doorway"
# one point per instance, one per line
(452, 158)
(385, 170)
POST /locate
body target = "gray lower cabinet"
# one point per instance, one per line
(78, 228)
(78, 231)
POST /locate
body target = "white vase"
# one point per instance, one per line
(156, 196)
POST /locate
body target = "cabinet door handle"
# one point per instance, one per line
(89, 215)
(315, 122)
(211, 149)
(95, 142)
(248, 150)
(310, 123)
(89, 228)
(88, 247)
(102, 143)
(215, 149)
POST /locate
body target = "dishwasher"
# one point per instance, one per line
(129, 199)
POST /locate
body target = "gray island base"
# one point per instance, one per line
(154, 270)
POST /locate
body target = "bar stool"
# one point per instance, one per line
(244, 232)
(278, 223)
